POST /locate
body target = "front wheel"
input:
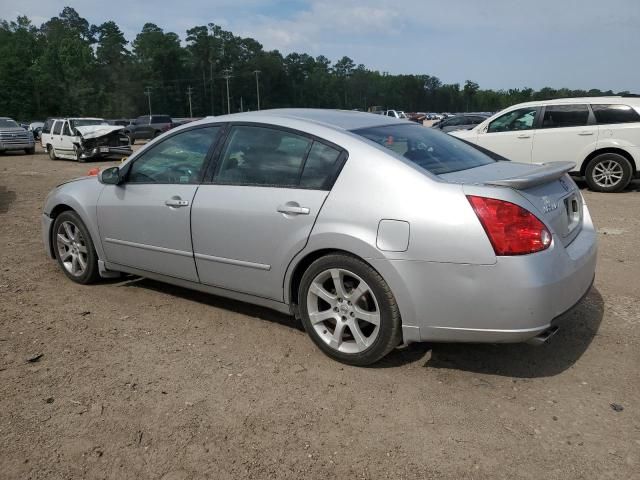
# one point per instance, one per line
(348, 310)
(608, 172)
(74, 248)
(51, 152)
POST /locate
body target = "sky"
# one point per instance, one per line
(496, 43)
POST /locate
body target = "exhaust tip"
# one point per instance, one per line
(543, 337)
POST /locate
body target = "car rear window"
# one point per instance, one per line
(608, 114)
(430, 149)
(160, 119)
(7, 123)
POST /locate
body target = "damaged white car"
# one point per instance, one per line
(85, 138)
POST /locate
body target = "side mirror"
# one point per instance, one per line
(110, 176)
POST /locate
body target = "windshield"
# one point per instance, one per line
(432, 150)
(86, 122)
(7, 123)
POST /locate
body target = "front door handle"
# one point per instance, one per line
(176, 202)
(524, 135)
(585, 133)
(293, 210)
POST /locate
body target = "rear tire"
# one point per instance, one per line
(51, 152)
(74, 248)
(608, 172)
(357, 322)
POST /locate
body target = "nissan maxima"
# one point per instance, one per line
(373, 232)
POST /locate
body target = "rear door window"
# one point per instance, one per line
(66, 130)
(320, 167)
(262, 156)
(559, 116)
(609, 114)
(57, 128)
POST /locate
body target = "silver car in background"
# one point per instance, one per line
(373, 231)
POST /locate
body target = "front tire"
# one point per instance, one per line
(348, 310)
(74, 248)
(608, 172)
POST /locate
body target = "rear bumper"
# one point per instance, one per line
(513, 300)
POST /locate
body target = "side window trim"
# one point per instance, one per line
(212, 172)
(205, 164)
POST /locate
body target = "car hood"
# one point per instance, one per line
(13, 129)
(95, 131)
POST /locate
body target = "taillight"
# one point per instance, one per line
(512, 230)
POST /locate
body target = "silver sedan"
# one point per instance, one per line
(374, 232)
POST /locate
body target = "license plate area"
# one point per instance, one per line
(104, 149)
(573, 212)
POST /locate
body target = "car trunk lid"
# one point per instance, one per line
(554, 196)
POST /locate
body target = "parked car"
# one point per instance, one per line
(417, 117)
(601, 135)
(148, 126)
(36, 129)
(440, 243)
(464, 121)
(14, 137)
(81, 139)
(395, 114)
(123, 122)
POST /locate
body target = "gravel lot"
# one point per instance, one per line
(142, 380)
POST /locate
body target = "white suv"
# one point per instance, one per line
(600, 134)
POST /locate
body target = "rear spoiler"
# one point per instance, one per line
(544, 174)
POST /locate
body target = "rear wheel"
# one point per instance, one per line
(348, 310)
(74, 249)
(51, 152)
(608, 172)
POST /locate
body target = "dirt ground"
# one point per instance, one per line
(142, 380)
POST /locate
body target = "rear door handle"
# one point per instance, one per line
(176, 202)
(524, 135)
(293, 210)
(585, 133)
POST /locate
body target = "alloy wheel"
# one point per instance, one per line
(343, 310)
(607, 173)
(72, 248)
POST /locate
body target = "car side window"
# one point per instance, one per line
(57, 128)
(320, 167)
(141, 121)
(262, 156)
(609, 114)
(520, 119)
(558, 116)
(178, 159)
(66, 130)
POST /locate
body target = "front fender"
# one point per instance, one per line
(81, 196)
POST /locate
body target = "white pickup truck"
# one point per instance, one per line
(84, 138)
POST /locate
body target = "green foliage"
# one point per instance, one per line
(69, 67)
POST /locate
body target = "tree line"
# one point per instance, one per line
(67, 66)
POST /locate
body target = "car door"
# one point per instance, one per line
(145, 222)
(64, 141)
(568, 132)
(55, 133)
(260, 208)
(511, 134)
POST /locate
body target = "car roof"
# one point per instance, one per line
(635, 101)
(341, 119)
